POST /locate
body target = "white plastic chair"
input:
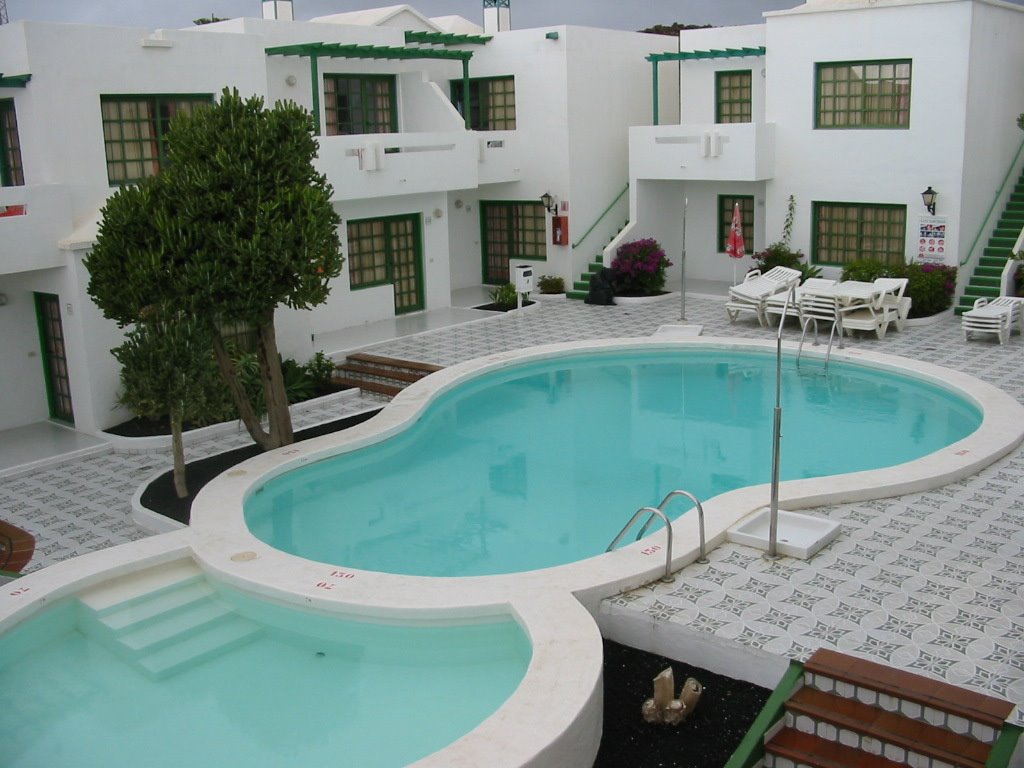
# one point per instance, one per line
(750, 295)
(994, 316)
(893, 301)
(872, 316)
(820, 307)
(775, 303)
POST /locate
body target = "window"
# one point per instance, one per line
(492, 103)
(844, 232)
(360, 104)
(510, 231)
(388, 251)
(863, 94)
(11, 171)
(732, 97)
(726, 203)
(135, 132)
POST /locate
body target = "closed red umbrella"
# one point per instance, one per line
(734, 245)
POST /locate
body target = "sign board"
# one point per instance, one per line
(931, 240)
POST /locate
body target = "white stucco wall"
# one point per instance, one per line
(868, 165)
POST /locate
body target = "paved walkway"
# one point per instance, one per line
(932, 582)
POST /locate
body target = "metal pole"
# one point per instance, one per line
(773, 507)
(682, 270)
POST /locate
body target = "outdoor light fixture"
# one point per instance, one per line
(929, 196)
(549, 203)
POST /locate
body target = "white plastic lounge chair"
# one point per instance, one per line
(872, 316)
(750, 295)
(775, 303)
(894, 301)
(996, 316)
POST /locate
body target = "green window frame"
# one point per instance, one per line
(357, 104)
(492, 102)
(12, 172)
(135, 129)
(388, 251)
(725, 208)
(510, 229)
(845, 232)
(733, 99)
(863, 94)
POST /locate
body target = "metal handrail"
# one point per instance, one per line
(703, 557)
(667, 578)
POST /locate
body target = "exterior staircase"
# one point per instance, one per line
(164, 620)
(580, 288)
(986, 278)
(846, 712)
(383, 375)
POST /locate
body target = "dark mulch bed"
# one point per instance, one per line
(707, 738)
(161, 497)
(503, 307)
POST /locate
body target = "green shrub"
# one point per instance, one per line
(929, 286)
(320, 370)
(298, 385)
(780, 255)
(504, 296)
(550, 284)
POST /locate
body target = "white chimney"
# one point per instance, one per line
(278, 9)
(497, 16)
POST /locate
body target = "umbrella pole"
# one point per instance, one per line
(773, 506)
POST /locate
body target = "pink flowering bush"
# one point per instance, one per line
(639, 268)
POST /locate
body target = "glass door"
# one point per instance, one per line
(55, 364)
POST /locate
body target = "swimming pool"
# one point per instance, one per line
(539, 464)
(302, 689)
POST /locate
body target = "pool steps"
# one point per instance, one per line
(848, 712)
(383, 375)
(164, 620)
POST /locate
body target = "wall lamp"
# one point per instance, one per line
(549, 202)
(929, 196)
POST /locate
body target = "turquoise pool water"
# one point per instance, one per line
(541, 464)
(309, 691)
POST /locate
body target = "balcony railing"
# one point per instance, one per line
(32, 221)
(703, 152)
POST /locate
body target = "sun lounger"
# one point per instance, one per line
(751, 294)
(994, 316)
(893, 301)
(775, 303)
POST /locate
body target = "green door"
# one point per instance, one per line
(388, 251)
(510, 230)
(55, 364)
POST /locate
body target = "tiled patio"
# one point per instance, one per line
(932, 582)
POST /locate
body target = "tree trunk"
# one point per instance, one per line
(245, 410)
(178, 448)
(274, 395)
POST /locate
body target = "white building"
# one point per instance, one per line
(85, 109)
(853, 107)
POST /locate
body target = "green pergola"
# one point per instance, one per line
(317, 51)
(721, 53)
(446, 38)
(14, 81)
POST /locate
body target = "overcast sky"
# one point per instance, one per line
(614, 14)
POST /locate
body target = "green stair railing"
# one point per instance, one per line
(995, 201)
(600, 218)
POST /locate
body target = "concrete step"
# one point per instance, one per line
(225, 636)
(120, 592)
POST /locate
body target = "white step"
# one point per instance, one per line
(139, 612)
(200, 647)
(116, 593)
(174, 626)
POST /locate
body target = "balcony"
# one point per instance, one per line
(703, 152)
(32, 220)
(386, 164)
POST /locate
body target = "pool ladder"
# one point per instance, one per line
(659, 512)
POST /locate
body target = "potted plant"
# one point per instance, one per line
(504, 298)
(638, 270)
(550, 288)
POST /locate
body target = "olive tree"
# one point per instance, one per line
(237, 224)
